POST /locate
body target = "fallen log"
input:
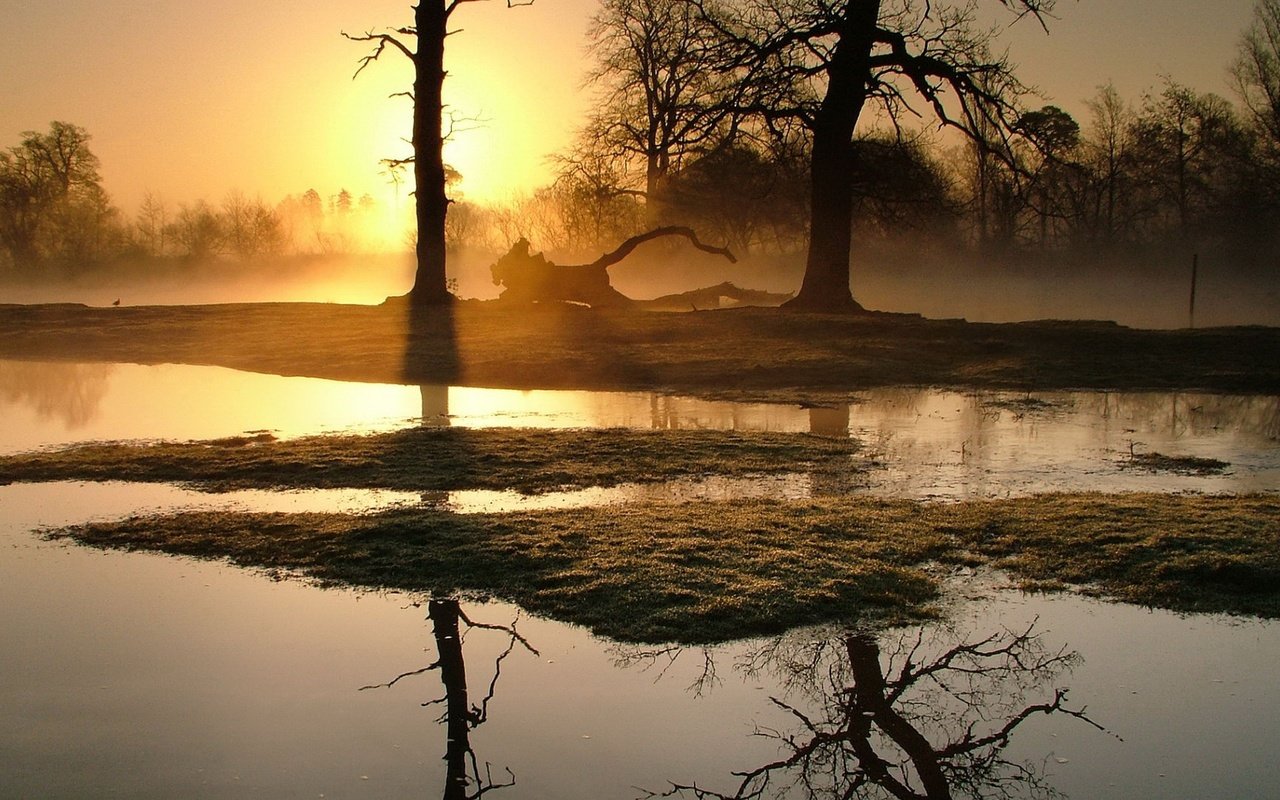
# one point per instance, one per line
(531, 278)
(722, 295)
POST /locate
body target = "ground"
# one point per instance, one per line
(737, 353)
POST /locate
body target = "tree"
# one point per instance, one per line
(149, 225)
(1108, 148)
(820, 62)
(1186, 148)
(659, 102)
(1257, 72)
(1054, 137)
(897, 186)
(198, 230)
(431, 22)
(463, 777)
(250, 227)
(926, 717)
(46, 179)
(734, 194)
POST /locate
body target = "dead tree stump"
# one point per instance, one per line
(530, 277)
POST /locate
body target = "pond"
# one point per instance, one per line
(138, 675)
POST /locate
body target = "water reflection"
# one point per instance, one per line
(926, 443)
(435, 406)
(67, 393)
(925, 715)
(464, 779)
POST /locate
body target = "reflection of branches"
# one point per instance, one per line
(924, 719)
(664, 658)
(463, 779)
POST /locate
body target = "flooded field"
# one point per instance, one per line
(921, 443)
(154, 676)
(138, 675)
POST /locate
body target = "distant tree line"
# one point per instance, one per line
(56, 217)
(712, 115)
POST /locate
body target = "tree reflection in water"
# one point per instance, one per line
(463, 777)
(926, 717)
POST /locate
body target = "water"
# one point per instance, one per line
(918, 443)
(139, 675)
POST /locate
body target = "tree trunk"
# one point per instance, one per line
(431, 204)
(870, 696)
(453, 674)
(826, 275)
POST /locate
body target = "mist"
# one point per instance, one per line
(1143, 290)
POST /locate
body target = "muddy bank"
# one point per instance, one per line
(741, 353)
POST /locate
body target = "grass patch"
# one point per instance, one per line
(441, 459)
(713, 571)
(1181, 465)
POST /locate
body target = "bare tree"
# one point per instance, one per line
(150, 223)
(820, 63)
(1257, 71)
(659, 102)
(431, 26)
(47, 182)
(1186, 146)
(464, 779)
(1108, 151)
(919, 719)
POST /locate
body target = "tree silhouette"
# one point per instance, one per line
(464, 779)
(44, 181)
(431, 21)
(1257, 73)
(818, 63)
(660, 103)
(925, 720)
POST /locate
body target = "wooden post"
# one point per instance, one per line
(1195, 267)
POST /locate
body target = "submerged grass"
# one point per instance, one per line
(441, 459)
(712, 571)
(1181, 465)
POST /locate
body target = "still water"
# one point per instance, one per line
(919, 443)
(138, 675)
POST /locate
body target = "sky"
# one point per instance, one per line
(196, 100)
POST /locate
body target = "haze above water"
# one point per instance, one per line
(150, 676)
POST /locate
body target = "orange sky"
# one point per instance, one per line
(194, 100)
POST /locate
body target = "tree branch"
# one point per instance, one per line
(609, 259)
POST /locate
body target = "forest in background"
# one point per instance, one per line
(1137, 187)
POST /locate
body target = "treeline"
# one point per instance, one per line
(56, 217)
(1174, 168)
(670, 141)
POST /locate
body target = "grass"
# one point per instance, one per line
(713, 571)
(1181, 465)
(731, 354)
(442, 459)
